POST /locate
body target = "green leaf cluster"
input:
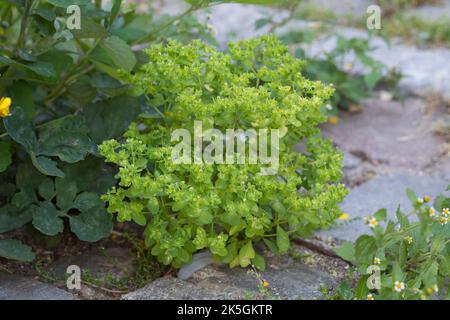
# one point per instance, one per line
(413, 250)
(226, 209)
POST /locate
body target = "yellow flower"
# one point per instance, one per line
(433, 289)
(333, 120)
(431, 212)
(444, 220)
(343, 216)
(5, 103)
(265, 283)
(370, 297)
(419, 200)
(373, 222)
(426, 199)
(376, 260)
(445, 211)
(399, 286)
(409, 240)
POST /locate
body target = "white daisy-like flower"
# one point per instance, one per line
(445, 212)
(399, 286)
(376, 260)
(444, 220)
(373, 222)
(370, 297)
(419, 200)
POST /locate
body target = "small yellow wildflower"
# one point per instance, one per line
(370, 297)
(420, 200)
(444, 220)
(409, 240)
(376, 260)
(431, 212)
(333, 120)
(426, 199)
(265, 283)
(5, 103)
(399, 286)
(343, 216)
(445, 212)
(433, 289)
(373, 222)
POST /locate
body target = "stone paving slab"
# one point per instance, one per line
(426, 71)
(289, 278)
(391, 134)
(16, 287)
(384, 192)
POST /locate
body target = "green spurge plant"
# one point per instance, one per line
(410, 256)
(222, 207)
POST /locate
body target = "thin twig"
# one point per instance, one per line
(318, 248)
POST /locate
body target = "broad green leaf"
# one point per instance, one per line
(282, 239)
(67, 146)
(46, 219)
(5, 155)
(115, 52)
(380, 215)
(47, 189)
(16, 250)
(246, 254)
(22, 95)
(153, 205)
(402, 219)
(11, 218)
(92, 225)
(361, 290)
(47, 166)
(86, 201)
(23, 198)
(346, 251)
(365, 248)
(20, 129)
(42, 68)
(90, 30)
(65, 193)
(371, 79)
(411, 196)
(271, 245)
(108, 119)
(397, 273)
(259, 262)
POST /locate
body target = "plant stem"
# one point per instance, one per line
(70, 75)
(24, 24)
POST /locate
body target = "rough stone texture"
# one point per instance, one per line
(15, 287)
(390, 134)
(354, 7)
(99, 262)
(432, 12)
(289, 278)
(425, 70)
(384, 192)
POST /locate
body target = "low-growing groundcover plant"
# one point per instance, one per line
(225, 208)
(409, 257)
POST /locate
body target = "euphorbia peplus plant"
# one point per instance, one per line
(226, 208)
